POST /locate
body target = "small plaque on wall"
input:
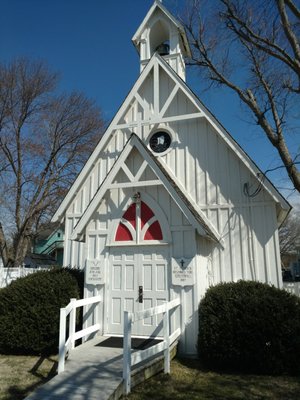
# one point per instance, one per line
(95, 272)
(183, 273)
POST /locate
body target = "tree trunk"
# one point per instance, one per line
(3, 247)
(288, 162)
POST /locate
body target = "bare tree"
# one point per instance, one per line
(44, 140)
(289, 232)
(253, 48)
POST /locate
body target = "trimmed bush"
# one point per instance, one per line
(29, 311)
(250, 327)
(78, 274)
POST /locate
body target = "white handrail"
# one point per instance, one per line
(69, 344)
(133, 359)
(155, 310)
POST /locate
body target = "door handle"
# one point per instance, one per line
(140, 294)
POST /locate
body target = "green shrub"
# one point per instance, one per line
(78, 274)
(29, 311)
(250, 327)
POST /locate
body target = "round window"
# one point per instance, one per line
(160, 142)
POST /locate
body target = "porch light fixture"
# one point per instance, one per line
(137, 197)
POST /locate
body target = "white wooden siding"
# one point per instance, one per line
(212, 175)
(250, 246)
(209, 171)
(183, 244)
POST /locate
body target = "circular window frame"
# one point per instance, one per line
(169, 132)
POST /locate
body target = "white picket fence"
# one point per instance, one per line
(292, 287)
(7, 275)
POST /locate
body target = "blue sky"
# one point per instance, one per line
(89, 43)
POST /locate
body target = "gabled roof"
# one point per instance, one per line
(240, 153)
(226, 136)
(101, 144)
(195, 216)
(157, 5)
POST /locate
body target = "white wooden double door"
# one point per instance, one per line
(138, 279)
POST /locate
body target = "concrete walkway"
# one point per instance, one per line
(92, 372)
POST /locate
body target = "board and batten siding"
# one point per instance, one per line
(183, 244)
(211, 174)
(213, 177)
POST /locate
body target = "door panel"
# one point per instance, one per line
(122, 290)
(128, 271)
(154, 282)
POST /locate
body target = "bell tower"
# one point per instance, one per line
(161, 33)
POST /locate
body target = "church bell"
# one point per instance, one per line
(163, 49)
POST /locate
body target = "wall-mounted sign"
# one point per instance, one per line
(95, 272)
(183, 273)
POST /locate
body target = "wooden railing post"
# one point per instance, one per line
(62, 340)
(166, 329)
(72, 323)
(69, 344)
(136, 358)
(127, 352)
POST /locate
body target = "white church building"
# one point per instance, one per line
(162, 206)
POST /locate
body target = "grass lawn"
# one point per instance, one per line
(188, 382)
(20, 375)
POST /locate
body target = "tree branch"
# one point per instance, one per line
(288, 30)
(269, 86)
(262, 43)
(292, 6)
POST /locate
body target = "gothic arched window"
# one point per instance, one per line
(138, 224)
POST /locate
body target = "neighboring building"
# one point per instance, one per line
(163, 203)
(33, 260)
(291, 264)
(49, 245)
(295, 267)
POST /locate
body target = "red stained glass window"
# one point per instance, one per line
(144, 212)
(130, 215)
(154, 232)
(123, 234)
